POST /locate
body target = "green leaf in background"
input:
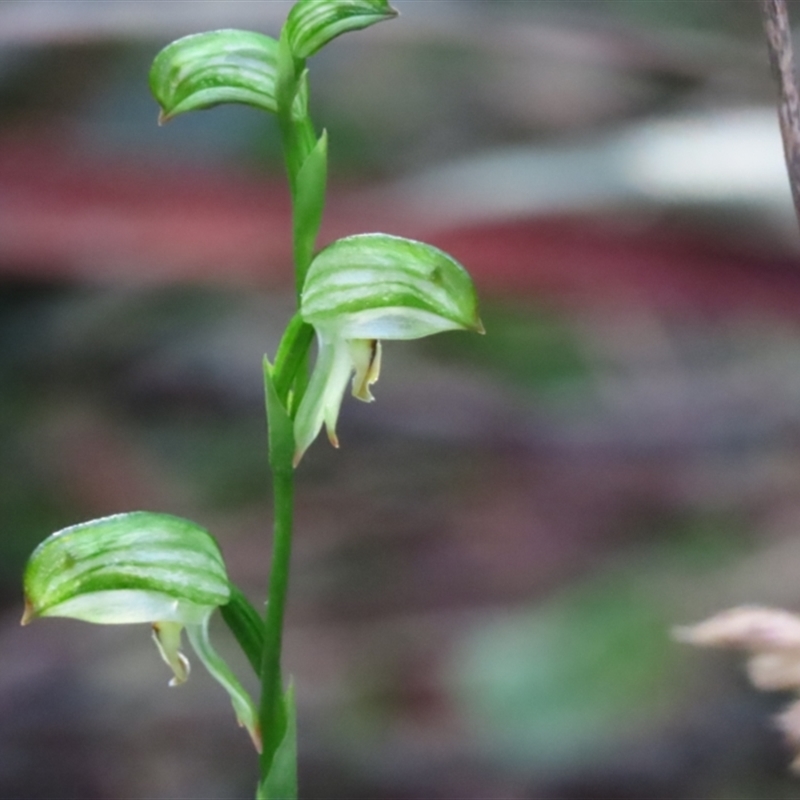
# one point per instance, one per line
(207, 69)
(553, 684)
(311, 24)
(137, 567)
(281, 781)
(533, 346)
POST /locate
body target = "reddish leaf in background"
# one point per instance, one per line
(71, 218)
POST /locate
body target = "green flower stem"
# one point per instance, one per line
(272, 712)
(291, 370)
(285, 384)
(297, 132)
(299, 140)
(295, 124)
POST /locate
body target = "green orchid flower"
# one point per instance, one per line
(360, 290)
(140, 568)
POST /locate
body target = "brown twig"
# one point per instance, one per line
(779, 40)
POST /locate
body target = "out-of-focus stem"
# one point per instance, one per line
(779, 41)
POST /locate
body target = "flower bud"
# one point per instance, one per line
(206, 69)
(311, 24)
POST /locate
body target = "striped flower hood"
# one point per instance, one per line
(363, 289)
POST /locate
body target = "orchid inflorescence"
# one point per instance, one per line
(159, 569)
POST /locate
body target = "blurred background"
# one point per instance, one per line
(487, 572)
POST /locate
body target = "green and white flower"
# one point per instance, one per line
(360, 290)
(140, 568)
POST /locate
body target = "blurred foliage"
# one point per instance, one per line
(530, 345)
(62, 346)
(718, 16)
(577, 675)
(693, 542)
(221, 459)
(29, 503)
(571, 676)
(731, 17)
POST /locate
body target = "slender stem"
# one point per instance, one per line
(779, 41)
(271, 713)
(291, 371)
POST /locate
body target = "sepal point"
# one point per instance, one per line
(28, 614)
